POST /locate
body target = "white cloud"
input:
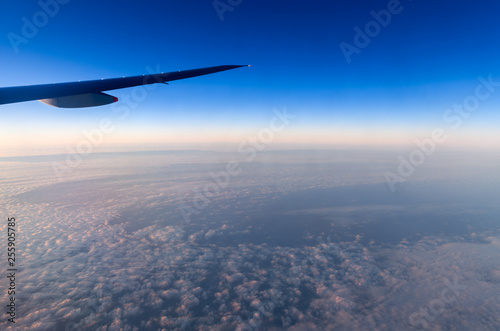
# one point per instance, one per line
(77, 270)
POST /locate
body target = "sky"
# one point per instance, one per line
(394, 82)
(309, 239)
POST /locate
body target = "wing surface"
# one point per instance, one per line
(88, 93)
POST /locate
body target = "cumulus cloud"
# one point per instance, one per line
(81, 272)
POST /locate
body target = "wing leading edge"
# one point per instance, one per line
(89, 93)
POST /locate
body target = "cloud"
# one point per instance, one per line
(81, 272)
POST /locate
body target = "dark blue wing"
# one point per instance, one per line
(90, 90)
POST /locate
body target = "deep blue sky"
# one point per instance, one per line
(395, 89)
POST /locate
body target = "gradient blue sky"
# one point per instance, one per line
(394, 91)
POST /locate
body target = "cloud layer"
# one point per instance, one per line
(81, 268)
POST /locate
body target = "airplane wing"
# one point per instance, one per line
(89, 93)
